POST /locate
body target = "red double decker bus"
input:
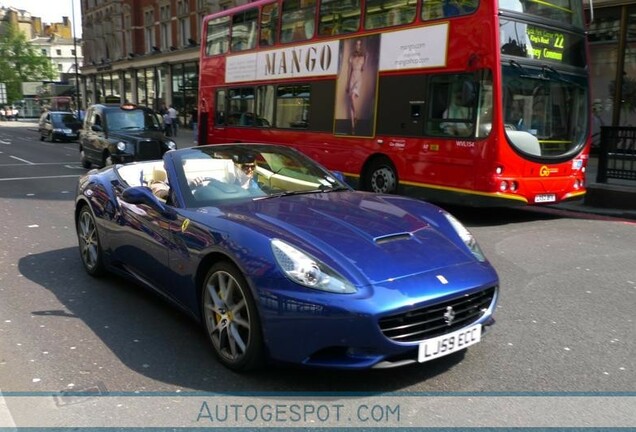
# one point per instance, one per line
(478, 102)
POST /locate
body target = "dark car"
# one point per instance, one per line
(280, 260)
(121, 133)
(59, 126)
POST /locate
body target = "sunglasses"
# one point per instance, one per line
(250, 167)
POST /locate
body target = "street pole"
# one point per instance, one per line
(77, 88)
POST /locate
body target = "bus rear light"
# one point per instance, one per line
(503, 186)
(499, 170)
(514, 186)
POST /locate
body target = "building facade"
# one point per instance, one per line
(612, 37)
(144, 51)
(62, 52)
(147, 51)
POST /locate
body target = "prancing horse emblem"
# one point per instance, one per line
(449, 316)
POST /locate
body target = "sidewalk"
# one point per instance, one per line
(616, 199)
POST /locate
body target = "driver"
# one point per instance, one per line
(245, 167)
(243, 175)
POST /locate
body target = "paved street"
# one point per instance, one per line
(565, 321)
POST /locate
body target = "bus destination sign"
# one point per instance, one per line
(546, 44)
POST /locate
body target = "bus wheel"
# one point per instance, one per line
(381, 176)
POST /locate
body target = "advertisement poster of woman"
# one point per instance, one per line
(357, 86)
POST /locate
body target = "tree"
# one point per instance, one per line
(21, 62)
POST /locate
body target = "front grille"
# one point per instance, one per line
(427, 322)
(149, 150)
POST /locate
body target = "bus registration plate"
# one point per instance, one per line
(449, 343)
(544, 198)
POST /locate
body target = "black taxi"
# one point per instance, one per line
(114, 133)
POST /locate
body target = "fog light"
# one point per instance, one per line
(503, 186)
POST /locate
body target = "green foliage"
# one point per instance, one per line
(21, 62)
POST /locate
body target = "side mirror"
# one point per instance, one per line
(97, 128)
(142, 195)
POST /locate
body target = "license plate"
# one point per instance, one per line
(543, 198)
(449, 343)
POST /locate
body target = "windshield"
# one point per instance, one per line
(563, 11)
(138, 119)
(217, 174)
(545, 111)
(66, 119)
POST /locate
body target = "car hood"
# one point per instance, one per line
(381, 239)
(138, 135)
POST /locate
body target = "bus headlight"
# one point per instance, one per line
(466, 236)
(308, 271)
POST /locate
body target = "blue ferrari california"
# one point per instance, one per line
(280, 260)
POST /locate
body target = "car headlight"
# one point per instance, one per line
(171, 145)
(466, 236)
(308, 271)
(121, 146)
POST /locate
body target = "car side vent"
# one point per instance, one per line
(392, 238)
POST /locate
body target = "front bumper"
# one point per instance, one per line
(341, 331)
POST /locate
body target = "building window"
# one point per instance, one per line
(60, 68)
(183, 16)
(149, 29)
(73, 52)
(58, 52)
(128, 34)
(166, 34)
(44, 53)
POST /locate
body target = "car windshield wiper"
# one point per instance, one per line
(131, 127)
(321, 189)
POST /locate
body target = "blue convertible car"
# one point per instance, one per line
(280, 260)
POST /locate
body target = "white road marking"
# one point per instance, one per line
(39, 178)
(22, 160)
(39, 163)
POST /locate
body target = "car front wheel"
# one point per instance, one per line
(231, 319)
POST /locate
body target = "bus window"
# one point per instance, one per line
(338, 17)
(292, 106)
(241, 107)
(265, 106)
(452, 102)
(297, 22)
(244, 30)
(218, 36)
(220, 104)
(269, 21)
(388, 13)
(564, 11)
(433, 9)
